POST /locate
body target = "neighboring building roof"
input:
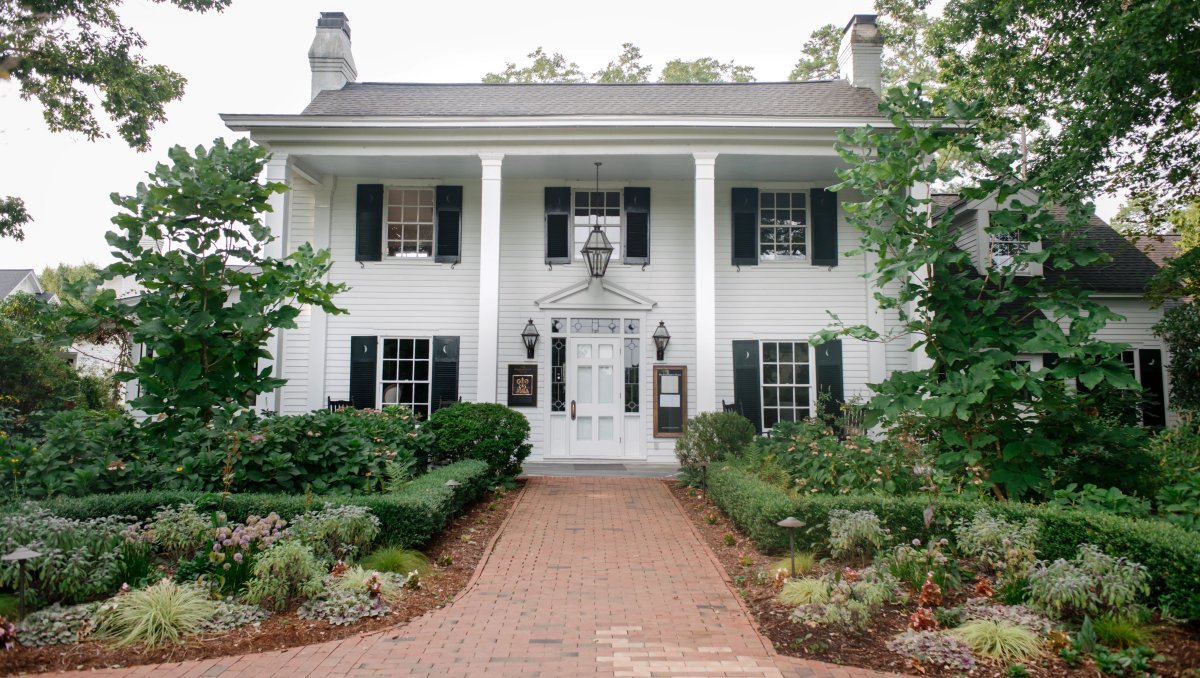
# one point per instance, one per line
(1159, 247)
(10, 278)
(943, 200)
(805, 99)
(1128, 272)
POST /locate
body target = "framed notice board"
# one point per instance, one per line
(670, 401)
(522, 385)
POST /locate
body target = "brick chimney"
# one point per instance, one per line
(861, 55)
(329, 57)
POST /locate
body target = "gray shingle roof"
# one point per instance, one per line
(810, 99)
(10, 278)
(1127, 273)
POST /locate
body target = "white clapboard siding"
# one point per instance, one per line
(788, 300)
(294, 394)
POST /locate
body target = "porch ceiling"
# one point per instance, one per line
(577, 168)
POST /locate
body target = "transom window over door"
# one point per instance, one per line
(603, 207)
(782, 226)
(406, 372)
(408, 222)
(786, 382)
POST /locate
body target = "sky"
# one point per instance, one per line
(252, 58)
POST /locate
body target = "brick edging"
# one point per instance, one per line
(766, 642)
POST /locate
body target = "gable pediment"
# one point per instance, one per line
(595, 294)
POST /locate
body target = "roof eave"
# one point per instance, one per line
(239, 122)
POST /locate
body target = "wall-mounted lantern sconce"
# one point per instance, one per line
(661, 338)
(530, 335)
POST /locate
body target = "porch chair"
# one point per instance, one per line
(730, 407)
(335, 405)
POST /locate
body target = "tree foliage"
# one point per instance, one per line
(907, 53)
(705, 69)
(627, 68)
(986, 412)
(1118, 79)
(818, 60)
(543, 68)
(70, 282)
(211, 297)
(13, 218)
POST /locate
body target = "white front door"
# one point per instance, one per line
(596, 396)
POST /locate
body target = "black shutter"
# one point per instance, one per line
(745, 227)
(558, 225)
(363, 355)
(829, 374)
(747, 391)
(824, 229)
(449, 225)
(368, 223)
(1049, 361)
(444, 389)
(637, 225)
(1154, 403)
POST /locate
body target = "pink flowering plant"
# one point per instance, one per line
(235, 547)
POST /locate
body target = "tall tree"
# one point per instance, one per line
(627, 68)
(705, 69)
(69, 282)
(71, 55)
(818, 60)
(1118, 80)
(543, 68)
(907, 55)
(211, 298)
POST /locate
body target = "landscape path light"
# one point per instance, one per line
(452, 483)
(21, 555)
(790, 524)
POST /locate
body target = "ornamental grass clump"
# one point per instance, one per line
(982, 609)
(385, 585)
(1093, 583)
(805, 591)
(283, 573)
(998, 639)
(162, 613)
(806, 562)
(855, 534)
(398, 560)
(854, 599)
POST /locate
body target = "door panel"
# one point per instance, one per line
(596, 396)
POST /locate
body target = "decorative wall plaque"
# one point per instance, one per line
(522, 385)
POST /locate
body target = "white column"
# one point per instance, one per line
(489, 277)
(920, 359)
(876, 350)
(319, 321)
(278, 169)
(706, 282)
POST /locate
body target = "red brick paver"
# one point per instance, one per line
(589, 577)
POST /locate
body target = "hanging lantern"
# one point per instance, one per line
(597, 250)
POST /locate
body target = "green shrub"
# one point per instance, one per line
(57, 625)
(996, 639)
(336, 532)
(162, 613)
(397, 560)
(410, 517)
(712, 436)
(81, 558)
(1120, 631)
(285, 572)
(489, 432)
(1092, 583)
(999, 545)
(912, 563)
(1170, 554)
(855, 533)
(179, 531)
(1179, 503)
(1092, 498)
(814, 460)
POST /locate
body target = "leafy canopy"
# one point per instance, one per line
(907, 54)
(628, 68)
(211, 296)
(990, 413)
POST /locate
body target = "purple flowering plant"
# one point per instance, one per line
(235, 546)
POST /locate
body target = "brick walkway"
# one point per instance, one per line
(589, 577)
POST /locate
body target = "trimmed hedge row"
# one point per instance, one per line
(411, 517)
(1171, 553)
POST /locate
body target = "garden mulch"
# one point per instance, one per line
(1179, 646)
(467, 537)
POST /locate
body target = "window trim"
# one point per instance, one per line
(618, 255)
(384, 223)
(380, 382)
(762, 382)
(807, 226)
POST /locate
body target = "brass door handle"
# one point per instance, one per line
(572, 410)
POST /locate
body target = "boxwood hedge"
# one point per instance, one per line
(1171, 553)
(412, 516)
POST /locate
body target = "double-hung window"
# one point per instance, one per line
(597, 207)
(782, 226)
(409, 222)
(406, 374)
(1005, 247)
(786, 382)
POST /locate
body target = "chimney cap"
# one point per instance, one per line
(857, 19)
(335, 20)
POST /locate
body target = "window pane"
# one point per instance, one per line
(798, 200)
(771, 396)
(604, 430)
(801, 353)
(770, 374)
(785, 352)
(406, 348)
(767, 199)
(422, 348)
(389, 370)
(583, 380)
(604, 387)
(770, 352)
(783, 200)
(785, 374)
(583, 428)
(421, 370)
(581, 199)
(389, 348)
(770, 418)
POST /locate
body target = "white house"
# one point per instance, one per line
(457, 214)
